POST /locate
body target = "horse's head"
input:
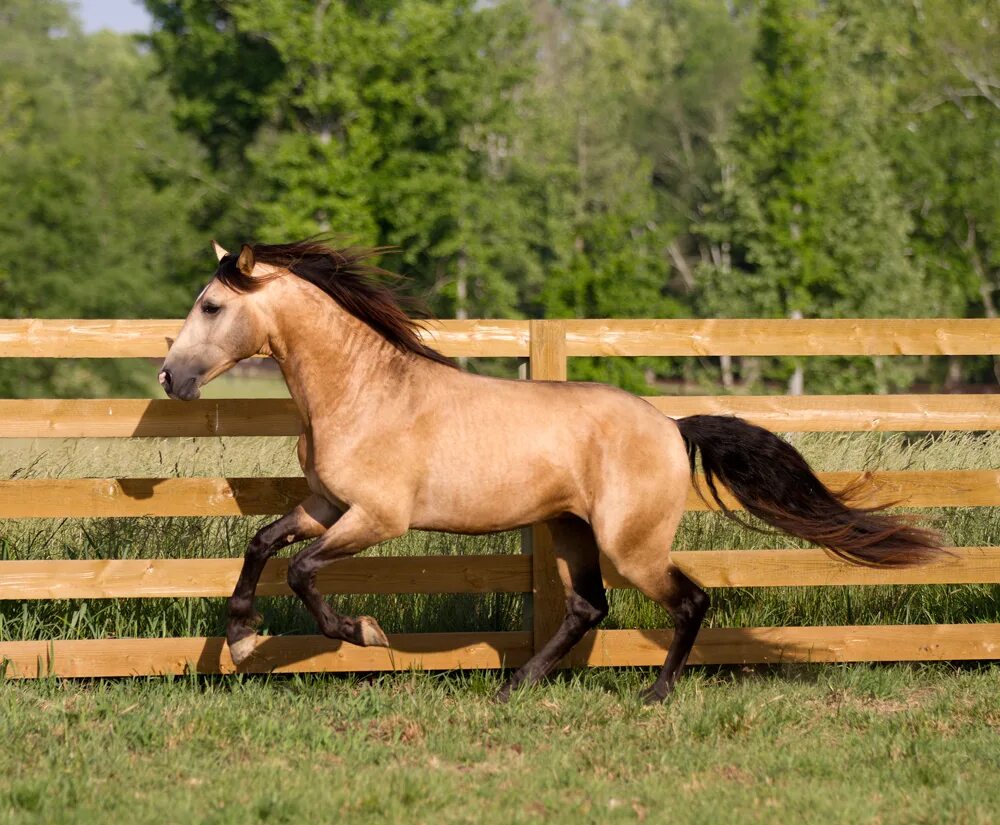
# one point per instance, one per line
(224, 326)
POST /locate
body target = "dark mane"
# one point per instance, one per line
(360, 288)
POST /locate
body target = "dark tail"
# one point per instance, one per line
(772, 480)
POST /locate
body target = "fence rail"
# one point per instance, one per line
(547, 345)
(205, 578)
(141, 417)
(38, 338)
(447, 651)
(257, 496)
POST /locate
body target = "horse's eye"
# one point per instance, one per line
(210, 309)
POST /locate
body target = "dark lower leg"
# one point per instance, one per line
(586, 601)
(310, 518)
(687, 605)
(350, 535)
(360, 630)
(243, 619)
(581, 615)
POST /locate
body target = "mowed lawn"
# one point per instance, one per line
(889, 744)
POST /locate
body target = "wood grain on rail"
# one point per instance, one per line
(44, 338)
(169, 578)
(492, 573)
(882, 336)
(139, 417)
(130, 497)
(142, 417)
(843, 413)
(816, 568)
(278, 654)
(448, 651)
(774, 645)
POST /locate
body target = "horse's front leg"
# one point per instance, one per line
(353, 532)
(309, 519)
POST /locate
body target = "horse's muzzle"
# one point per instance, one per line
(182, 390)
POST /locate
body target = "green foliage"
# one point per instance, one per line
(809, 211)
(940, 120)
(524, 157)
(96, 183)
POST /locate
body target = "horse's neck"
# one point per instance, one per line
(336, 365)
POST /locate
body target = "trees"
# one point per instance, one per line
(525, 157)
(387, 122)
(938, 68)
(809, 215)
(96, 184)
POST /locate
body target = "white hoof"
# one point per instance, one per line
(243, 649)
(371, 633)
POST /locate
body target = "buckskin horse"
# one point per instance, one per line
(395, 437)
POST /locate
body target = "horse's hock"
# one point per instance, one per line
(546, 345)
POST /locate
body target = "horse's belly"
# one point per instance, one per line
(471, 502)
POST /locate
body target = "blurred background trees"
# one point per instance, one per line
(527, 158)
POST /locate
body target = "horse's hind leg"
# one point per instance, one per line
(578, 561)
(687, 604)
(640, 550)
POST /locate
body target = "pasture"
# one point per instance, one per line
(831, 744)
(219, 537)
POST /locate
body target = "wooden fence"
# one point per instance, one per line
(547, 345)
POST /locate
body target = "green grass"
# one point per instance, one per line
(816, 744)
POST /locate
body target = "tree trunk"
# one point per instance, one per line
(986, 286)
(726, 363)
(797, 381)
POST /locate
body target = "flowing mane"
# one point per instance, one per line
(343, 274)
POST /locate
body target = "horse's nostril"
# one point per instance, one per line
(166, 380)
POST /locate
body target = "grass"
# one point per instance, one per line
(817, 744)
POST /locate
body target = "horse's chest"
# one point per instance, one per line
(339, 470)
(307, 461)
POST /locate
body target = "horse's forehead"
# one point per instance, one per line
(208, 286)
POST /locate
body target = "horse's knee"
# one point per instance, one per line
(589, 610)
(299, 578)
(266, 541)
(258, 548)
(689, 606)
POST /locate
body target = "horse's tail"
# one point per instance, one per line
(772, 480)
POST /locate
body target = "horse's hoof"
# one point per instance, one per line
(370, 632)
(243, 649)
(651, 697)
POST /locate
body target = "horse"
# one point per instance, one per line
(396, 437)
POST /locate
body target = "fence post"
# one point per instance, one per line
(546, 362)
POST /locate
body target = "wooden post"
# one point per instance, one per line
(547, 362)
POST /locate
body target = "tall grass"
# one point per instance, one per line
(228, 537)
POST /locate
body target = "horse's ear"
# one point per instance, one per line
(245, 262)
(220, 253)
